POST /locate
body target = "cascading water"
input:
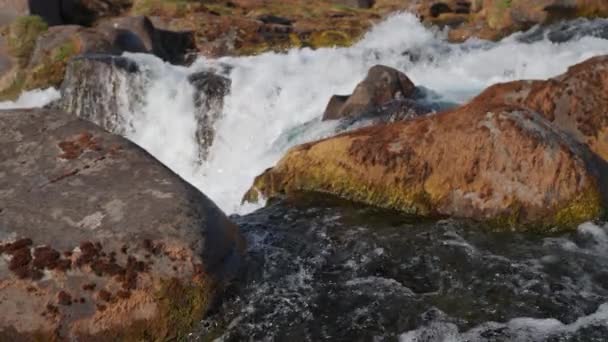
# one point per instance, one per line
(338, 273)
(276, 100)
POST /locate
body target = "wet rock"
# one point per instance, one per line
(502, 164)
(381, 85)
(356, 3)
(77, 198)
(209, 101)
(86, 12)
(575, 101)
(273, 19)
(100, 88)
(171, 46)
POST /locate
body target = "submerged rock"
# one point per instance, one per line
(209, 101)
(101, 88)
(496, 163)
(381, 85)
(98, 240)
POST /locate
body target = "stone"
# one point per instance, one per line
(381, 85)
(99, 240)
(210, 90)
(500, 164)
(171, 46)
(575, 101)
(356, 3)
(99, 88)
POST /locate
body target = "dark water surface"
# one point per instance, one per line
(336, 271)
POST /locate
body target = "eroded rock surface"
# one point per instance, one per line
(576, 101)
(98, 240)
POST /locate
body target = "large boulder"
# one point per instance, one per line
(381, 85)
(496, 163)
(100, 241)
(576, 101)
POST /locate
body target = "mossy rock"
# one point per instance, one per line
(22, 36)
(51, 70)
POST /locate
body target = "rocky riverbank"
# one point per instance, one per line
(401, 212)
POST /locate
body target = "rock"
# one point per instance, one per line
(381, 85)
(53, 50)
(502, 164)
(86, 12)
(43, 54)
(495, 19)
(98, 240)
(168, 45)
(209, 101)
(98, 88)
(273, 19)
(334, 107)
(575, 101)
(66, 12)
(356, 3)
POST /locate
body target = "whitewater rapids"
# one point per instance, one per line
(274, 95)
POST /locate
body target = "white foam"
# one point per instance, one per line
(519, 329)
(31, 99)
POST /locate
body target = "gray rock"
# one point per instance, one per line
(98, 240)
(100, 88)
(209, 101)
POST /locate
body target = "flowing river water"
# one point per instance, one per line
(324, 269)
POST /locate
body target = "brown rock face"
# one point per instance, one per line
(576, 101)
(98, 240)
(381, 85)
(497, 163)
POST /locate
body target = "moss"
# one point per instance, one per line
(181, 306)
(23, 33)
(330, 38)
(336, 181)
(297, 174)
(170, 8)
(50, 72)
(12, 92)
(587, 206)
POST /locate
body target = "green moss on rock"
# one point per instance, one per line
(51, 70)
(23, 33)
